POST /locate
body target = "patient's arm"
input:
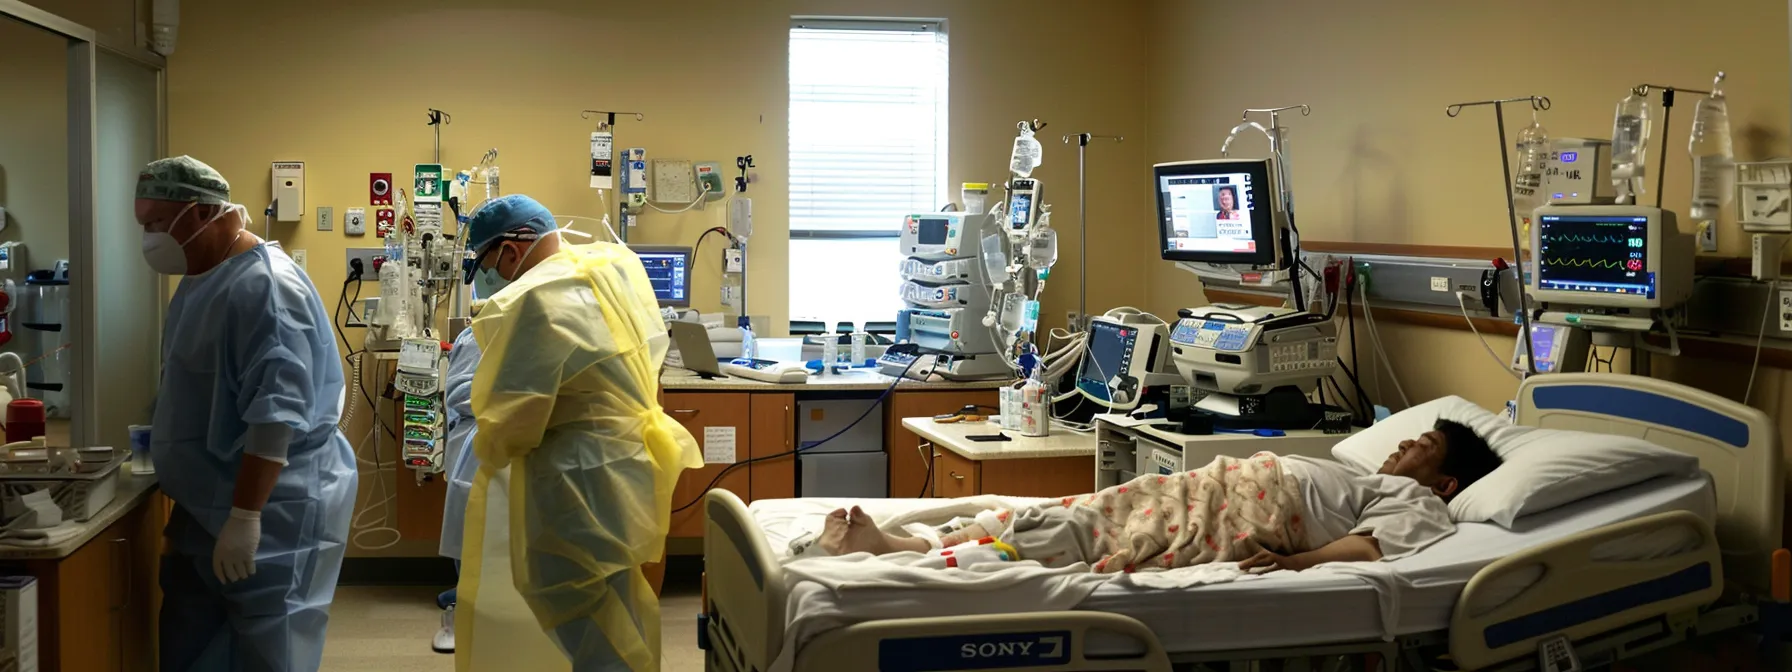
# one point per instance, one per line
(1350, 548)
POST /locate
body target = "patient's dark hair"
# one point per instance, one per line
(1467, 457)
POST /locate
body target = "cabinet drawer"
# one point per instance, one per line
(954, 475)
(699, 411)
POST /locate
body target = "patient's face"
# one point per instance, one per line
(1420, 459)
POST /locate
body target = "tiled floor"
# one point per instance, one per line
(387, 629)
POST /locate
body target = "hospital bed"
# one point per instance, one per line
(1620, 573)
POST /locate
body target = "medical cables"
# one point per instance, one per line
(1375, 338)
(1461, 302)
(877, 404)
(1766, 311)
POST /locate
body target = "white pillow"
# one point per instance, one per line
(1546, 468)
(1365, 450)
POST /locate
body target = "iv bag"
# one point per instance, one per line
(1027, 153)
(1042, 250)
(1527, 183)
(1014, 312)
(1630, 146)
(995, 259)
(1713, 158)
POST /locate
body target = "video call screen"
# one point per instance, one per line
(1207, 213)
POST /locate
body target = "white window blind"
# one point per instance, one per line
(867, 146)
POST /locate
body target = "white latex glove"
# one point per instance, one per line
(233, 559)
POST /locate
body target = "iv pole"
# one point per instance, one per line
(1667, 112)
(1278, 149)
(607, 124)
(1499, 120)
(1082, 204)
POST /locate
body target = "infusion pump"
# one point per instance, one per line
(1249, 350)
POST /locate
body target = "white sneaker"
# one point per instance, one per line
(444, 641)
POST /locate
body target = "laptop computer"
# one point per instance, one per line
(694, 350)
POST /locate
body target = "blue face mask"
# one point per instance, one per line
(487, 282)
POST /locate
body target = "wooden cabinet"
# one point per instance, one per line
(774, 433)
(959, 476)
(908, 461)
(955, 475)
(97, 606)
(699, 411)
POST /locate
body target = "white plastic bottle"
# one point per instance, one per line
(1630, 146)
(749, 347)
(1713, 162)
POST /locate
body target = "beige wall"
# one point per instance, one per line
(330, 83)
(344, 88)
(1378, 161)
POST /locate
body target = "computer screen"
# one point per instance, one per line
(1109, 354)
(1216, 211)
(1595, 254)
(668, 268)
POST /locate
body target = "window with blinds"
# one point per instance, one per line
(867, 146)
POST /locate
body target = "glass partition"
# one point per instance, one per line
(83, 113)
(34, 190)
(128, 332)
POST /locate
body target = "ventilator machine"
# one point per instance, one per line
(1229, 220)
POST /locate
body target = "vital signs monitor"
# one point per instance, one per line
(668, 268)
(1221, 212)
(1615, 256)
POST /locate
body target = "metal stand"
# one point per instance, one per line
(437, 119)
(1082, 204)
(607, 124)
(1278, 149)
(1499, 121)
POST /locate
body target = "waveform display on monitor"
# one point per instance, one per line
(1595, 254)
(1587, 263)
(1572, 238)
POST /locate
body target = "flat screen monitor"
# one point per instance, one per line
(1607, 255)
(1109, 355)
(1220, 212)
(669, 269)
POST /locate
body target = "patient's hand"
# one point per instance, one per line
(1267, 561)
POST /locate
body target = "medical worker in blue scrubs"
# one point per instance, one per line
(245, 439)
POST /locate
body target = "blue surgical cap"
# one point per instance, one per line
(514, 217)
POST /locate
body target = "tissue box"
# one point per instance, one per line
(18, 623)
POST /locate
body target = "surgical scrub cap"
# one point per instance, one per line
(512, 217)
(183, 179)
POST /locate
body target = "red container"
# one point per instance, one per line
(24, 420)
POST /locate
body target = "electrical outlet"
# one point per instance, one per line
(1707, 236)
(369, 256)
(1785, 306)
(326, 217)
(1440, 284)
(301, 258)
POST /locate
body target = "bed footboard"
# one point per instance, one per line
(744, 584)
(1578, 594)
(1055, 640)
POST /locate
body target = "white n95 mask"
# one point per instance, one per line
(167, 255)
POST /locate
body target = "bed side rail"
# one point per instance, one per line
(1577, 595)
(1036, 642)
(744, 585)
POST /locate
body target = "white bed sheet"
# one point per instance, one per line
(1317, 606)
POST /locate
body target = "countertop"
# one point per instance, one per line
(950, 435)
(132, 491)
(682, 380)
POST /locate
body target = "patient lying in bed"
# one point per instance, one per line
(1265, 511)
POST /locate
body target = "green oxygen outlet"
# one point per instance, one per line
(1363, 275)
